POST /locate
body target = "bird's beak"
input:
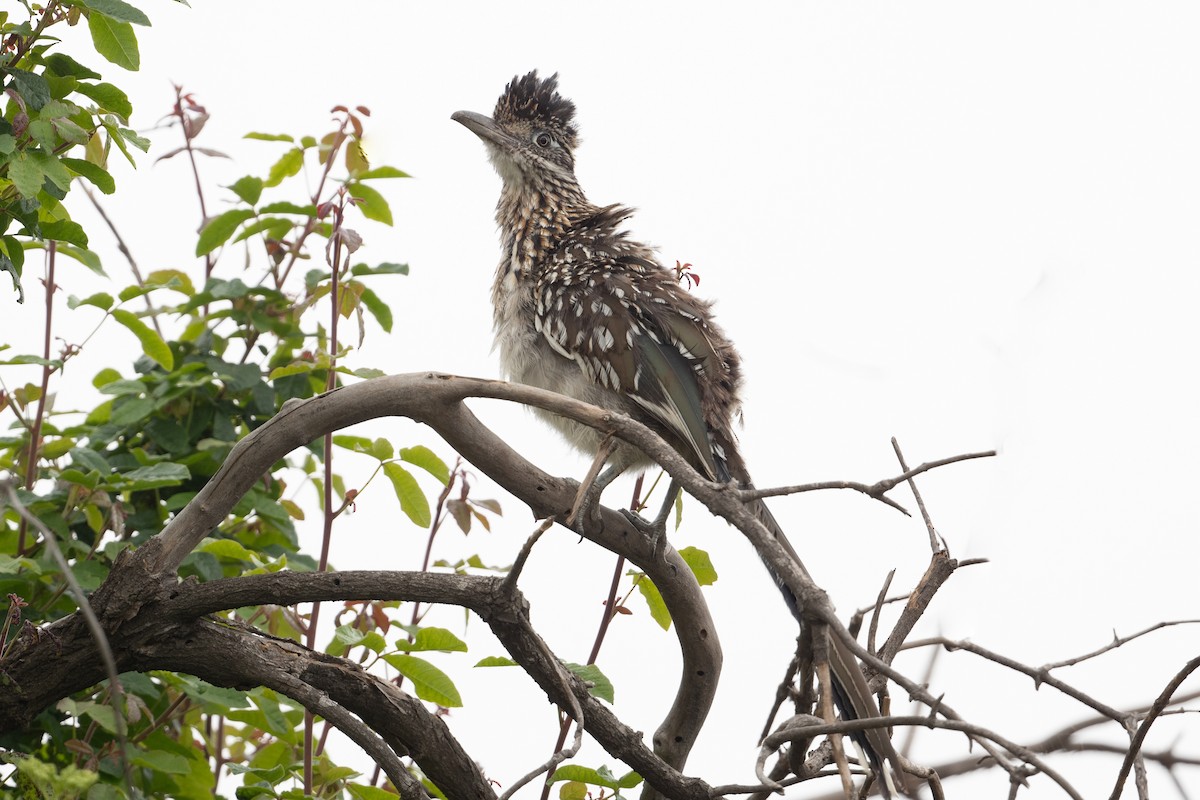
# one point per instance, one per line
(485, 128)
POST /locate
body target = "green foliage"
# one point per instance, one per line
(61, 121)
(578, 778)
(701, 566)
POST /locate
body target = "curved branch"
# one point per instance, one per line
(496, 603)
(231, 655)
(436, 400)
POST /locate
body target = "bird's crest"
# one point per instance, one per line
(537, 101)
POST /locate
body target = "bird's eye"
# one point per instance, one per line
(542, 139)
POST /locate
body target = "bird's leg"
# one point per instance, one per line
(656, 529)
(594, 484)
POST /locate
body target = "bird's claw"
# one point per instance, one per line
(587, 507)
(654, 530)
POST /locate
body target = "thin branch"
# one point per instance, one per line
(936, 705)
(1040, 676)
(125, 251)
(873, 490)
(873, 629)
(1164, 698)
(869, 489)
(935, 543)
(35, 434)
(940, 568)
(1117, 642)
(977, 732)
(320, 704)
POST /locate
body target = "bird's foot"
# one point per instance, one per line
(586, 507)
(654, 530)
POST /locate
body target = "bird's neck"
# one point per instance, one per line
(533, 220)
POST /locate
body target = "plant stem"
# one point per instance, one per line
(330, 514)
(35, 434)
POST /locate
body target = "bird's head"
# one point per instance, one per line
(530, 136)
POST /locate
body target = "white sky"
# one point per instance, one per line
(965, 225)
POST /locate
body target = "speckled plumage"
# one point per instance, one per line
(583, 310)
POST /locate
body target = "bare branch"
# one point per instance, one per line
(1117, 641)
(935, 542)
(1164, 698)
(1039, 676)
(874, 490)
(322, 706)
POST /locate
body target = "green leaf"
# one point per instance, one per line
(654, 601)
(269, 137)
(412, 499)
(379, 269)
(67, 67)
(361, 791)
(434, 639)
(371, 203)
(99, 300)
(160, 761)
(140, 142)
(105, 376)
(152, 344)
(117, 10)
(108, 97)
(174, 279)
(287, 166)
(155, 476)
(421, 456)
(59, 447)
(30, 86)
(496, 661)
(379, 309)
(357, 444)
(26, 175)
(572, 790)
(290, 369)
(102, 713)
(383, 172)
(701, 565)
(14, 271)
(596, 777)
(83, 256)
(115, 40)
(91, 480)
(220, 228)
(130, 292)
(382, 449)
(96, 176)
(53, 169)
(91, 459)
(600, 687)
(248, 188)
(431, 684)
(65, 230)
(227, 548)
(32, 359)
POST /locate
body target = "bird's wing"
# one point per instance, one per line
(652, 357)
(667, 386)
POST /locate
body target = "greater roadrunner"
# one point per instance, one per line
(582, 310)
